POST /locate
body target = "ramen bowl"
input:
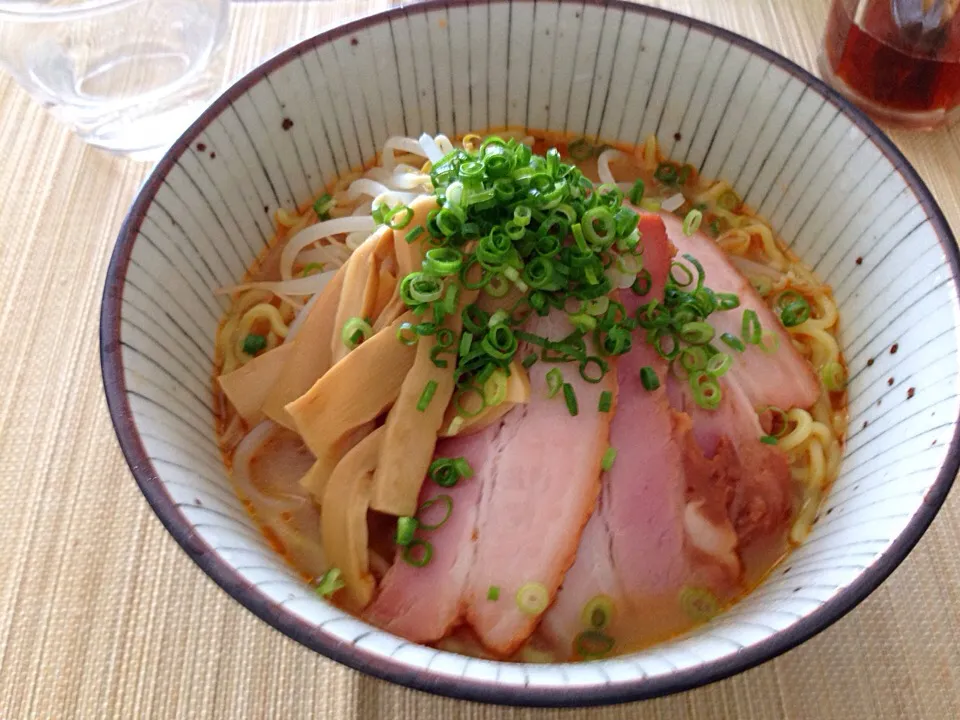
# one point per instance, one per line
(836, 189)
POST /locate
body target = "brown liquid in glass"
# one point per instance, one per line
(891, 62)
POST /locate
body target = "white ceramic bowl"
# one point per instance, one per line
(834, 186)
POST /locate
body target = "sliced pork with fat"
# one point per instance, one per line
(761, 501)
(422, 604)
(782, 378)
(542, 489)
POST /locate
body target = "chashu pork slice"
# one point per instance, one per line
(422, 604)
(782, 378)
(761, 500)
(540, 492)
(637, 551)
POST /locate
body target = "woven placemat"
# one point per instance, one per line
(102, 615)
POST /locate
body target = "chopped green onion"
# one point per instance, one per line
(252, 344)
(705, 389)
(768, 439)
(636, 192)
(686, 276)
(641, 286)
(529, 361)
(442, 261)
(493, 593)
(310, 268)
(329, 583)
(699, 604)
(418, 553)
(834, 376)
(427, 395)
(649, 379)
(407, 334)
(598, 612)
(733, 341)
(593, 644)
(795, 313)
(447, 472)
(322, 206)
(570, 398)
(413, 234)
(554, 382)
(446, 501)
(355, 331)
(606, 401)
(718, 364)
(750, 328)
(406, 527)
(691, 223)
(666, 173)
(580, 149)
(728, 301)
(728, 200)
(532, 598)
(697, 333)
(608, 459)
(400, 217)
(495, 389)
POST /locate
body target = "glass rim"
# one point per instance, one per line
(42, 11)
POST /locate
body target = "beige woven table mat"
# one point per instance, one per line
(102, 615)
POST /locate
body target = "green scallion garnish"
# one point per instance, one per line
(323, 205)
(444, 500)
(649, 379)
(570, 398)
(329, 583)
(418, 553)
(532, 598)
(834, 376)
(355, 331)
(252, 344)
(606, 401)
(554, 382)
(446, 472)
(691, 223)
(493, 593)
(608, 459)
(406, 527)
(750, 328)
(768, 439)
(427, 395)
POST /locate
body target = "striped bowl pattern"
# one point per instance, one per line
(824, 175)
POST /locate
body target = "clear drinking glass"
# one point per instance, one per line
(126, 75)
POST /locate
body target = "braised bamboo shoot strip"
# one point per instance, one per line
(358, 299)
(414, 421)
(248, 387)
(346, 499)
(311, 353)
(332, 409)
(408, 251)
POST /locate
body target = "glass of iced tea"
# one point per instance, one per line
(898, 59)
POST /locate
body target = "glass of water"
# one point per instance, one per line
(126, 75)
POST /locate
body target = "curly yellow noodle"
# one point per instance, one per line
(735, 241)
(649, 156)
(822, 344)
(803, 424)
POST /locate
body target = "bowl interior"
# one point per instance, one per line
(828, 181)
